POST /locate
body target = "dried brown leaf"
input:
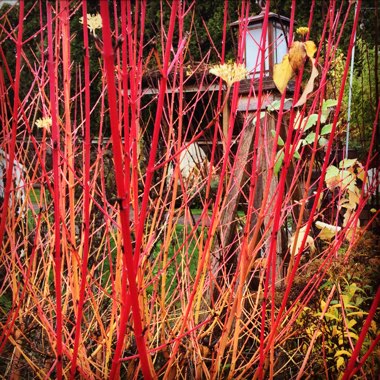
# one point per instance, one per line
(295, 245)
(352, 232)
(309, 86)
(297, 55)
(353, 196)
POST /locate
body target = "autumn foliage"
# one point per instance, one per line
(155, 224)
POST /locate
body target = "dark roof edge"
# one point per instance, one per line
(260, 17)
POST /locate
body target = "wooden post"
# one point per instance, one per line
(228, 218)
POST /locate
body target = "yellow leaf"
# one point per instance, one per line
(332, 182)
(319, 200)
(310, 48)
(353, 197)
(346, 217)
(332, 171)
(328, 231)
(352, 289)
(309, 86)
(332, 177)
(345, 203)
(361, 173)
(346, 299)
(295, 245)
(342, 352)
(348, 180)
(350, 235)
(230, 72)
(282, 73)
(350, 306)
(340, 362)
(351, 232)
(351, 323)
(297, 120)
(297, 55)
(351, 335)
(357, 313)
(348, 163)
(332, 316)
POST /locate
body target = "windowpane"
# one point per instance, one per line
(253, 54)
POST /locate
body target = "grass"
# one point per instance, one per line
(182, 257)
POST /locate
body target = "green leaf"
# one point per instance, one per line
(280, 141)
(347, 163)
(310, 121)
(262, 115)
(322, 141)
(309, 139)
(358, 301)
(296, 155)
(326, 129)
(278, 161)
(325, 108)
(275, 105)
(332, 316)
(347, 178)
(214, 183)
(331, 172)
(352, 289)
(346, 299)
(327, 103)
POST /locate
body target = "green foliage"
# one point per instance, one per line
(363, 92)
(305, 124)
(338, 329)
(203, 22)
(278, 160)
(364, 103)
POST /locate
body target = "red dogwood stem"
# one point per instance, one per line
(16, 105)
(129, 272)
(86, 193)
(351, 363)
(55, 137)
